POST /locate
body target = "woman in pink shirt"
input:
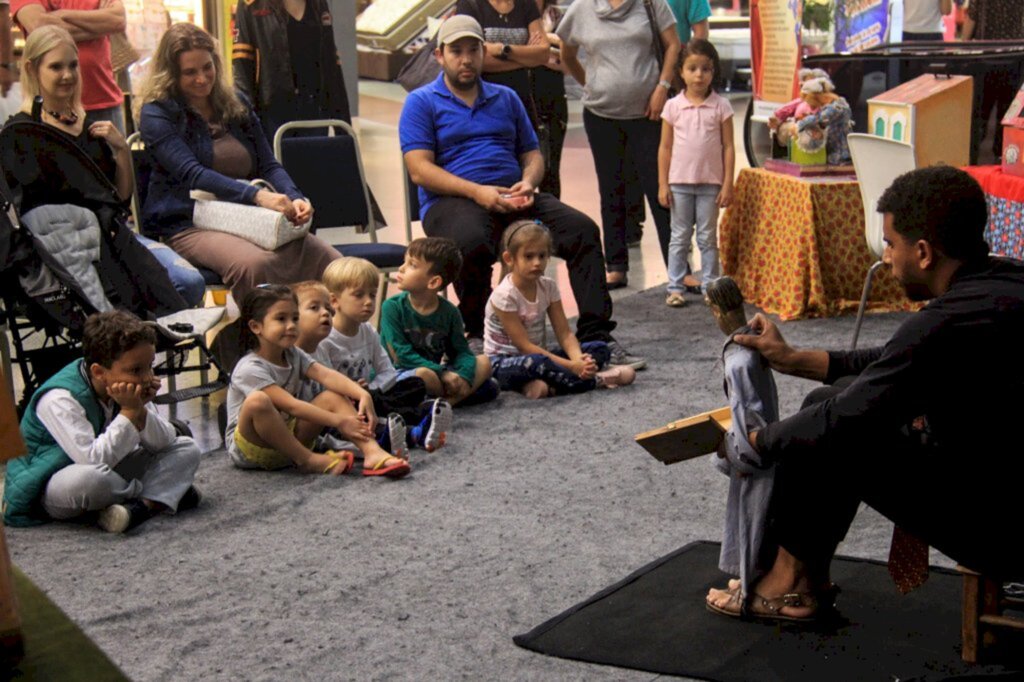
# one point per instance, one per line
(696, 160)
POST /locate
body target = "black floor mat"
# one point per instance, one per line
(655, 620)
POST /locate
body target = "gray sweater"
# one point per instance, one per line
(754, 402)
(621, 66)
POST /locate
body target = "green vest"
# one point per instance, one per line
(28, 475)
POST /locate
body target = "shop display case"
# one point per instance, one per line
(385, 29)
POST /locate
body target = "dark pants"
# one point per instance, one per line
(478, 234)
(553, 114)
(515, 371)
(611, 141)
(951, 500)
(993, 91)
(405, 398)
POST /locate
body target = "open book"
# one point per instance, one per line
(687, 438)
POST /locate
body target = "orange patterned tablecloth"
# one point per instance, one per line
(796, 247)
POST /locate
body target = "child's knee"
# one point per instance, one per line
(483, 367)
(258, 401)
(186, 453)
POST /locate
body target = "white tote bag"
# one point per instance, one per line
(263, 227)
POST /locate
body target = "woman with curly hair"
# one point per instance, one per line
(203, 135)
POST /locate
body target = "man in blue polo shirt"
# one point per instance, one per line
(470, 147)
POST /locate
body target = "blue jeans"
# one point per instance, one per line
(514, 371)
(184, 276)
(693, 205)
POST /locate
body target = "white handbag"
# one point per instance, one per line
(263, 227)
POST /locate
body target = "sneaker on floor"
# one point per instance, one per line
(619, 375)
(476, 344)
(121, 518)
(432, 432)
(190, 500)
(675, 300)
(620, 356)
(393, 437)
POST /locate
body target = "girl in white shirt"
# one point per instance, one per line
(515, 332)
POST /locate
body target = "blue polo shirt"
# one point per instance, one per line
(482, 144)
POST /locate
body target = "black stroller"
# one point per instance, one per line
(76, 255)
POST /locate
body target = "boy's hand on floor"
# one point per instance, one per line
(354, 428)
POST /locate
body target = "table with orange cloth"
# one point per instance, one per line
(796, 246)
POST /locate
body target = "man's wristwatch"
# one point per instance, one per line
(10, 66)
(506, 52)
(665, 84)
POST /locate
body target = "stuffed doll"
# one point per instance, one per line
(830, 120)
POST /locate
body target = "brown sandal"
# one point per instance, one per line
(763, 608)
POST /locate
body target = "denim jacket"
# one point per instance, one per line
(179, 144)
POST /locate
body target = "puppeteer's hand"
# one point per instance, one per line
(767, 340)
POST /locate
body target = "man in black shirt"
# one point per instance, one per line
(921, 428)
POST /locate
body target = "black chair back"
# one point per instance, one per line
(326, 170)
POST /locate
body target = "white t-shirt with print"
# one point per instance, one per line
(507, 298)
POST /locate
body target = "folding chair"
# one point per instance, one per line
(329, 170)
(878, 162)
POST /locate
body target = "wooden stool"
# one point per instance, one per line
(983, 612)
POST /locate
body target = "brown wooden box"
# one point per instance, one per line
(381, 65)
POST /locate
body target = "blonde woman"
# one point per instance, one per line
(50, 71)
(202, 135)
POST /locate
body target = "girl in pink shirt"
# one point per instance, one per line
(696, 160)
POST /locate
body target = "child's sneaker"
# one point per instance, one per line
(392, 438)
(432, 433)
(121, 518)
(190, 500)
(618, 375)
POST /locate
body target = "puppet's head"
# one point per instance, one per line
(817, 92)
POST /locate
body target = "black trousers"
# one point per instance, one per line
(611, 140)
(957, 502)
(478, 234)
(404, 398)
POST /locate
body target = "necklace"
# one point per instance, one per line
(68, 118)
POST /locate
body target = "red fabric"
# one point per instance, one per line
(99, 89)
(997, 183)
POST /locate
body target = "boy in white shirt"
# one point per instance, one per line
(353, 348)
(95, 441)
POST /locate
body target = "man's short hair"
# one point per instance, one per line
(349, 273)
(942, 205)
(442, 255)
(108, 336)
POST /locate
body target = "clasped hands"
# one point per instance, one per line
(518, 197)
(297, 211)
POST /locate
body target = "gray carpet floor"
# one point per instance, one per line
(532, 507)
